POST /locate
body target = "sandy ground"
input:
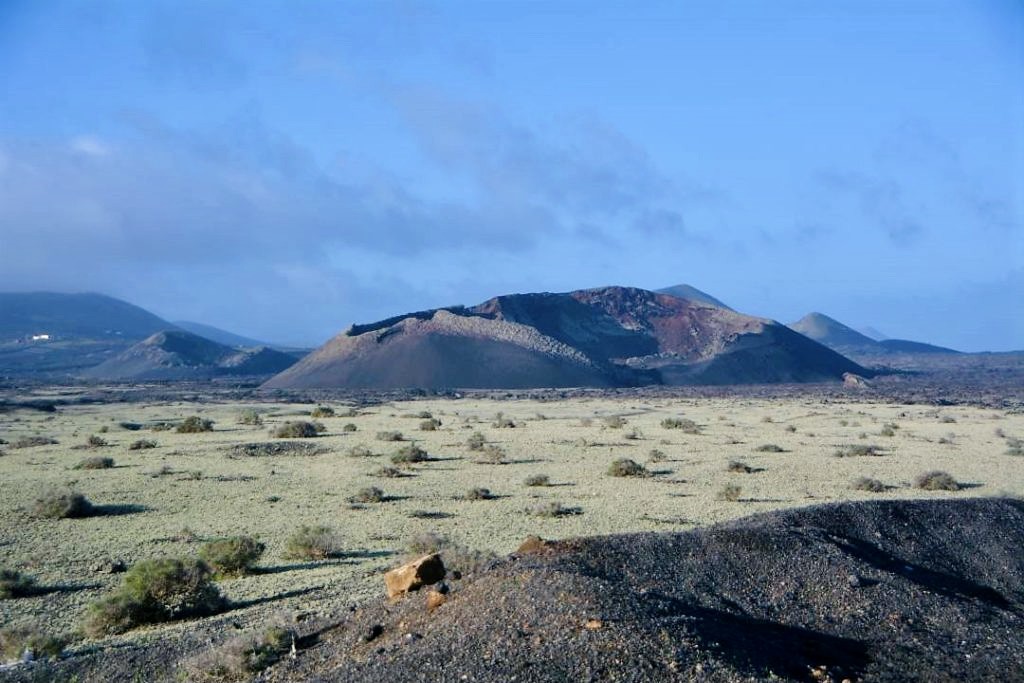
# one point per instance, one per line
(213, 495)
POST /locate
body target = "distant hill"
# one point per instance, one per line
(685, 291)
(904, 346)
(80, 316)
(611, 336)
(181, 355)
(218, 335)
(848, 341)
(832, 333)
(873, 333)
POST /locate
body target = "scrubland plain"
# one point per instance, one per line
(703, 461)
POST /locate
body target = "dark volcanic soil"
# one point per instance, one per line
(876, 591)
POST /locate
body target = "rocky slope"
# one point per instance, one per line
(611, 336)
(180, 355)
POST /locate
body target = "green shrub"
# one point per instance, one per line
(479, 494)
(95, 463)
(476, 441)
(155, 591)
(58, 504)
(868, 484)
(370, 494)
(936, 480)
(15, 641)
(233, 556)
(492, 455)
(195, 425)
(858, 450)
(298, 429)
(389, 436)
(142, 444)
(553, 508)
(624, 467)
(730, 492)
(684, 424)
(409, 454)
(538, 480)
(360, 451)
(322, 411)
(250, 417)
(14, 584)
(32, 441)
(313, 543)
(242, 657)
(502, 422)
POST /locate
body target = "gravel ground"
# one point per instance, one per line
(866, 591)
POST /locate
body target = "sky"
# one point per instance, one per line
(285, 169)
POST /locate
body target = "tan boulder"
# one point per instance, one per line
(435, 599)
(411, 576)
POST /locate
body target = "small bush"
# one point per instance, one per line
(730, 492)
(502, 422)
(389, 473)
(868, 484)
(15, 641)
(349, 427)
(313, 543)
(476, 441)
(633, 434)
(624, 467)
(552, 508)
(430, 425)
(887, 431)
(322, 411)
(297, 429)
(767, 419)
(57, 504)
(389, 436)
(370, 494)
(96, 442)
(739, 467)
(614, 422)
(130, 426)
(96, 462)
(858, 450)
(770, 448)
(14, 584)
(538, 480)
(947, 420)
(195, 425)
(492, 455)
(684, 424)
(791, 428)
(360, 451)
(479, 494)
(250, 417)
(425, 415)
(656, 455)
(155, 591)
(456, 558)
(232, 556)
(936, 480)
(142, 444)
(1014, 446)
(32, 441)
(242, 657)
(409, 454)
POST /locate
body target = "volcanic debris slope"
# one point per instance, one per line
(178, 355)
(870, 591)
(611, 336)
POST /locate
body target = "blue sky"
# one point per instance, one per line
(285, 169)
